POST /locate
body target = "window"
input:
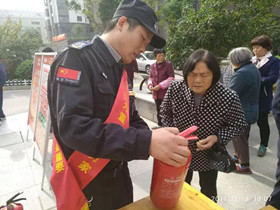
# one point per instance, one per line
(140, 57)
(63, 18)
(79, 18)
(35, 23)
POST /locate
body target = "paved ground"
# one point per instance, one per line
(20, 172)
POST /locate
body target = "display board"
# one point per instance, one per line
(38, 116)
(41, 133)
(33, 103)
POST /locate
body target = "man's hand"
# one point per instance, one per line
(206, 143)
(168, 147)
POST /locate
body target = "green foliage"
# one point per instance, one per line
(17, 45)
(98, 12)
(24, 71)
(220, 26)
(73, 5)
(107, 9)
(78, 31)
(173, 10)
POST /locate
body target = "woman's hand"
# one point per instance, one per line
(206, 143)
(156, 88)
(150, 87)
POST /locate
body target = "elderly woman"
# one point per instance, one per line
(246, 81)
(200, 100)
(161, 75)
(269, 67)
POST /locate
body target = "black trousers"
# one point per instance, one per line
(274, 199)
(264, 127)
(207, 182)
(158, 103)
(241, 146)
(111, 189)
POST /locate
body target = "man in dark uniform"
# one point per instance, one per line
(80, 106)
(274, 199)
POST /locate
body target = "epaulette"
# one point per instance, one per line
(80, 45)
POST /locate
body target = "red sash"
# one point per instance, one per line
(70, 177)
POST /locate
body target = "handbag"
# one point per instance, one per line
(219, 159)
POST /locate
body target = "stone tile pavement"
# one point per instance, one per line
(19, 172)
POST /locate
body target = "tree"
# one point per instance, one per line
(220, 26)
(17, 45)
(24, 71)
(107, 9)
(100, 12)
(78, 32)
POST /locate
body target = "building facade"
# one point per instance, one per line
(61, 20)
(29, 20)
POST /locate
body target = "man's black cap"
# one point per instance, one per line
(144, 14)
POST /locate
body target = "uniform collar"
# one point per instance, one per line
(106, 52)
(236, 69)
(113, 52)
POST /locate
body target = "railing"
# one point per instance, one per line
(24, 82)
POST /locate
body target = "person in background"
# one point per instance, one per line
(3, 78)
(269, 67)
(226, 74)
(161, 75)
(130, 69)
(246, 81)
(275, 195)
(89, 108)
(201, 100)
(47, 49)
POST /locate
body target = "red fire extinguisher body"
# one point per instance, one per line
(167, 180)
(14, 206)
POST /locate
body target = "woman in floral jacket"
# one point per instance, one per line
(200, 100)
(161, 75)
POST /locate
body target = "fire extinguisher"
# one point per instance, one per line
(11, 203)
(167, 180)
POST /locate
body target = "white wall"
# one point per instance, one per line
(73, 15)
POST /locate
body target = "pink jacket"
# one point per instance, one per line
(162, 75)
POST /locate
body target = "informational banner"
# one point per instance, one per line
(34, 92)
(38, 116)
(42, 131)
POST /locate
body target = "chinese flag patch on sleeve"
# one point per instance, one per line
(68, 76)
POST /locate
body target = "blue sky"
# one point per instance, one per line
(26, 5)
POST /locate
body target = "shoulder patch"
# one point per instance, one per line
(80, 45)
(68, 76)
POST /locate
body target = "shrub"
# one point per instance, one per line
(24, 70)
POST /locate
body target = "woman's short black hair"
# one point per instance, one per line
(209, 59)
(158, 51)
(263, 41)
